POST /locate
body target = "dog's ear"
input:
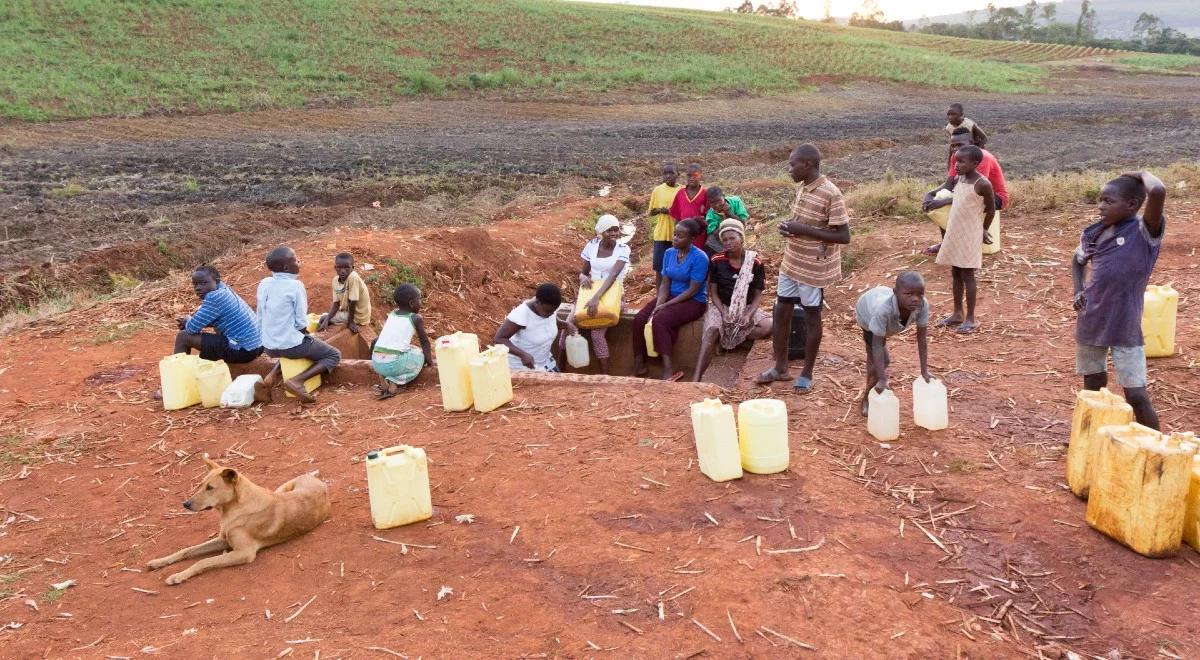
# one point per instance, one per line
(212, 465)
(230, 476)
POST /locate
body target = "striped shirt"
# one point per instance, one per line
(818, 204)
(228, 314)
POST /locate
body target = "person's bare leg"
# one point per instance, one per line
(185, 341)
(1143, 411)
(970, 287)
(708, 346)
(295, 384)
(603, 365)
(668, 369)
(957, 284)
(812, 339)
(762, 330)
(781, 330)
(871, 380)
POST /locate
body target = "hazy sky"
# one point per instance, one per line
(894, 9)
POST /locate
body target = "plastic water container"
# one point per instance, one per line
(716, 440)
(577, 352)
(1093, 411)
(491, 381)
(454, 353)
(930, 405)
(608, 312)
(398, 486)
(883, 415)
(211, 379)
(1158, 320)
(291, 367)
(178, 375)
(1139, 490)
(240, 393)
(649, 334)
(763, 436)
(1191, 511)
(314, 321)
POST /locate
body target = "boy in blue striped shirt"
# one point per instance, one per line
(236, 339)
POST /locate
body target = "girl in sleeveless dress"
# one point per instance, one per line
(971, 215)
(393, 356)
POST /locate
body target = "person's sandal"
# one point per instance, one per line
(771, 375)
(803, 385)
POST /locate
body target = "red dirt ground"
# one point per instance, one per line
(589, 508)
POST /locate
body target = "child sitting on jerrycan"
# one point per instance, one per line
(283, 324)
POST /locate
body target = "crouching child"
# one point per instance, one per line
(394, 357)
(881, 313)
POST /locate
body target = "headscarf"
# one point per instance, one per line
(606, 222)
(732, 224)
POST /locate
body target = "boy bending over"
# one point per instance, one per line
(283, 323)
(1121, 250)
(881, 313)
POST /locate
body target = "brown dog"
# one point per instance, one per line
(252, 518)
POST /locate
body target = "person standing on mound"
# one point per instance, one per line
(812, 260)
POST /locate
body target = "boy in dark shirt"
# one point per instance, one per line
(1121, 250)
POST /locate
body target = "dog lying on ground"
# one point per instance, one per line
(252, 518)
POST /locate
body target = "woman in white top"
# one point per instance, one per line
(529, 330)
(605, 262)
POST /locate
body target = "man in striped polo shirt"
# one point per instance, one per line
(812, 260)
(236, 339)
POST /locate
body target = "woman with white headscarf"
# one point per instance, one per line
(604, 263)
(736, 279)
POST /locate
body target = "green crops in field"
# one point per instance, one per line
(82, 58)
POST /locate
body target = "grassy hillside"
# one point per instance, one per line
(82, 58)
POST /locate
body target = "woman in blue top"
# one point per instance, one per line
(681, 299)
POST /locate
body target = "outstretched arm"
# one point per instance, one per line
(423, 337)
(836, 234)
(923, 351)
(929, 203)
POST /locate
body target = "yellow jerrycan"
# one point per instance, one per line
(648, 333)
(491, 382)
(212, 378)
(1139, 488)
(1093, 410)
(454, 353)
(290, 367)
(398, 486)
(716, 440)
(178, 375)
(931, 408)
(314, 321)
(883, 415)
(608, 312)
(763, 436)
(1158, 320)
(1191, 515)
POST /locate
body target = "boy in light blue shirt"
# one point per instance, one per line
(283, 323)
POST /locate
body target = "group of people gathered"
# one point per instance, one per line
(703, 270)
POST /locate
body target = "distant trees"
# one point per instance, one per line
(781, 9)
(1011, 24)
(871, 16)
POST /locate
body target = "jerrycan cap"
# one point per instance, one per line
(372, 455)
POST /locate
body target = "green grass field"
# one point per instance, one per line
(85, 58)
